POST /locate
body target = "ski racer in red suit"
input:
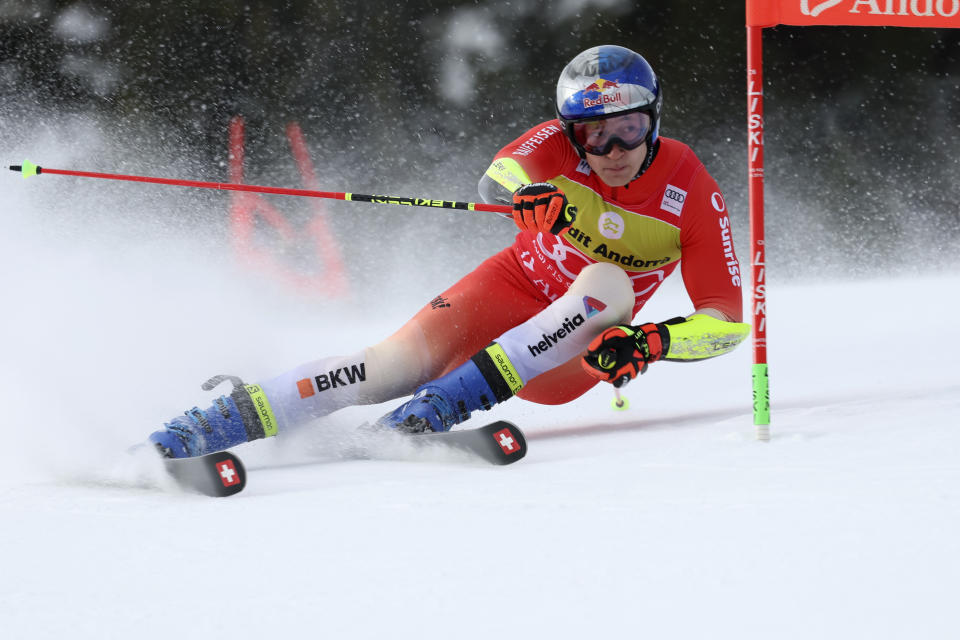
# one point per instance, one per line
(606, 208)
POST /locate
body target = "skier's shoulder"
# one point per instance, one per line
(675, 153)
(541, 153)
(543, 137)
(677, 164)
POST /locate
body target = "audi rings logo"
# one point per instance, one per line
(673, 199)
(673, 194)
(717, 201)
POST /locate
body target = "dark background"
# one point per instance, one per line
(861, 129)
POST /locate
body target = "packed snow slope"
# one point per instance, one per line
(668, 520)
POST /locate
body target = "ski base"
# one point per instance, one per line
(217, 475)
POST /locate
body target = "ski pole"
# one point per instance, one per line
(619, 403)
(28, 169)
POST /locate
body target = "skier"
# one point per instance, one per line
(606, 209)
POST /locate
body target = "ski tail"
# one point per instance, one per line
(498, 443)
(217, 475)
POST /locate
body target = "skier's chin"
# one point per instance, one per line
(618, 176)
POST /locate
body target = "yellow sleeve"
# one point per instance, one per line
(502, 178)
(701, 336)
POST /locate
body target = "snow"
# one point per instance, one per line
(78, 24)
(667, 520)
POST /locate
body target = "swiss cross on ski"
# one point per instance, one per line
(228, 473)
(507, 442)
(215, 474)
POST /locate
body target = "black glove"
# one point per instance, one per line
(620, 354)
(542, 207)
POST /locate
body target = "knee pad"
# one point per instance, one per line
(611, 285)
(600, 297)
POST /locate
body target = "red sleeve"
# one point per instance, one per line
(543, 152)
(711, 271)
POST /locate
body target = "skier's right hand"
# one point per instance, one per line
(620, 354)
(542, 207)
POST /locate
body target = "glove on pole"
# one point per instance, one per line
(542, 207)
(620, 354)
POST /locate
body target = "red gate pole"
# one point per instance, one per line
(761, 389)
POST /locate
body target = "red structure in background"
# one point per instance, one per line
(769, 13)
(328, 279)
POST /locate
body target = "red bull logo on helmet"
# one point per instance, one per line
(603, 87)
(600, 85)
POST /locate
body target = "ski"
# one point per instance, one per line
(222, 474)
(498, 443)
(217, 475)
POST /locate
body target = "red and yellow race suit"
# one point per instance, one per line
(673, 210)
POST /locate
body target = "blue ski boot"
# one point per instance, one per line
(242, 416)
(479, 383)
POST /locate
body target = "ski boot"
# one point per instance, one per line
(448, 400)
(240, 417)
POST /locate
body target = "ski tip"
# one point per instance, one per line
(508, 443)
(229, 472)
(27, 169)
(216, 474)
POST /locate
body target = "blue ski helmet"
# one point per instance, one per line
(607, 81)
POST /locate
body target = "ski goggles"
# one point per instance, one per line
(597, 137)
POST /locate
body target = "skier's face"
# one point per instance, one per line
(618, 166)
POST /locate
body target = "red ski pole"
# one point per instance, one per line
(28, 169)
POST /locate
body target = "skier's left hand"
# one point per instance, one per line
(542, 207)
(620, 354)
